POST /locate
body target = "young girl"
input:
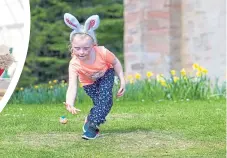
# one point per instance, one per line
(95, 67)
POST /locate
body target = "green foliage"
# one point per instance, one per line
(49, 36)
(185, 88)
(41, 94)
(188, 87)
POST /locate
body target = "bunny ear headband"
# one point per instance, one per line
(90, 25)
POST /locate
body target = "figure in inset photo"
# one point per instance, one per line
(7, 68)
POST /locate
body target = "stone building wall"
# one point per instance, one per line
(161, 35)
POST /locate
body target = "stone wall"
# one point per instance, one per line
(161, 35)
(204, 35)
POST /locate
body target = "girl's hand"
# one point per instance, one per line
(121, 91)
(71, 109)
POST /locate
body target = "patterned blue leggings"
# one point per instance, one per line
(101, 94)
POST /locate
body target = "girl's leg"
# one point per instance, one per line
(92, 92)
(101, 94)
(105, 95)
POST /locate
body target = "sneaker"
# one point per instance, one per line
(91, 132)
(86, 125)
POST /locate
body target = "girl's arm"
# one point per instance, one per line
(119, 70)
(71, 92)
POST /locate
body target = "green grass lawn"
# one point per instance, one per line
(133, 129)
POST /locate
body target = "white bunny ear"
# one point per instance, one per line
(71, 21)
(92, 23)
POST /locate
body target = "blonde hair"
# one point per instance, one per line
(82, 36)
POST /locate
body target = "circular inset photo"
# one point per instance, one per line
(14, 37)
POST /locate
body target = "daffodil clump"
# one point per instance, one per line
(50, 92)
(185, 85)
(178, 85)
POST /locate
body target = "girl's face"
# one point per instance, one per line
(82, 46)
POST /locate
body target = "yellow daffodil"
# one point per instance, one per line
(163, 83)
(137, 76)
(195, 66)
(149, 74)
(173, 72)
(203, 70)
(200, 68)
(129, 77)
(36, 87)
(198, 74)
(131, 81)
(158, 77)
(183, 72)
(175, 79)
(55, 81)
(21, 88)
(50, 82)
